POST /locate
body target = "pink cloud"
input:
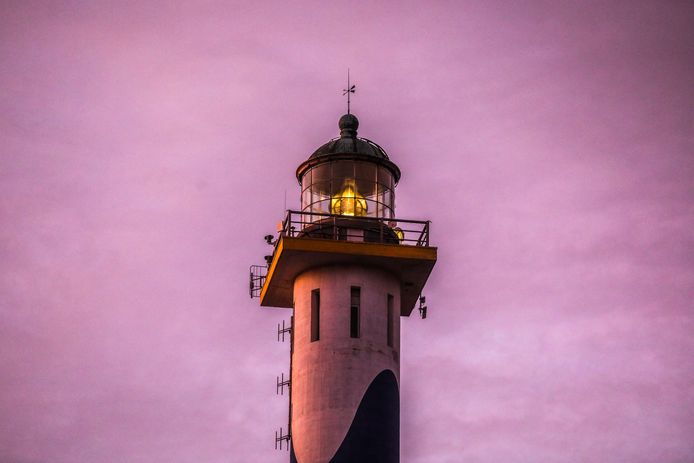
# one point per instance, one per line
(146, 149)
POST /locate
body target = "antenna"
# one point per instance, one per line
(281, 331)
(282, 383)
(281, 436)
(348, 91)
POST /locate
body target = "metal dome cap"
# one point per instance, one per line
(349, 146)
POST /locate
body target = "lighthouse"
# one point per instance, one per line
(348, 268)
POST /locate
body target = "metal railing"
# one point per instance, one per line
(358, 229)
(258, 273)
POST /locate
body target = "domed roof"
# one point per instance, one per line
(349, 147)
(348, 142)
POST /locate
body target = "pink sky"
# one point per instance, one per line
(146, 149)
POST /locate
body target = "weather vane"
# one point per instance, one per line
(348, 91)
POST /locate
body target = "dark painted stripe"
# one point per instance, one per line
(374, 435)
(292, 457)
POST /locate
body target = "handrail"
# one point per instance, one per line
(360, 228)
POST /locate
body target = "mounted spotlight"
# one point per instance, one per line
(268, 239)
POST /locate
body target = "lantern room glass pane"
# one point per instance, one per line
(385, 178)
(320, 173)
(342, 174)
(366, 188)
(365, 171)
(306, 180)
(348, 187)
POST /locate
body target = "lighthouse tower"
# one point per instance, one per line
(348, 269)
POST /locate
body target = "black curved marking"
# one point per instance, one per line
(292, 457)
(374, 435)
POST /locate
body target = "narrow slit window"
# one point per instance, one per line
(389, 327)
(354, 312)
(315, 315)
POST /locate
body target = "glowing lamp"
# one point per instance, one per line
(348, 202)
(399, 233)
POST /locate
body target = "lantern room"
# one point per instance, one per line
(348, 176)
(347, 218)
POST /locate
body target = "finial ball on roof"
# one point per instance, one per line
(348, 125)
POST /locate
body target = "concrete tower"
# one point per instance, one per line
(349, 269)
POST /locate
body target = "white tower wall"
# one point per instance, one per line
(331, 375)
